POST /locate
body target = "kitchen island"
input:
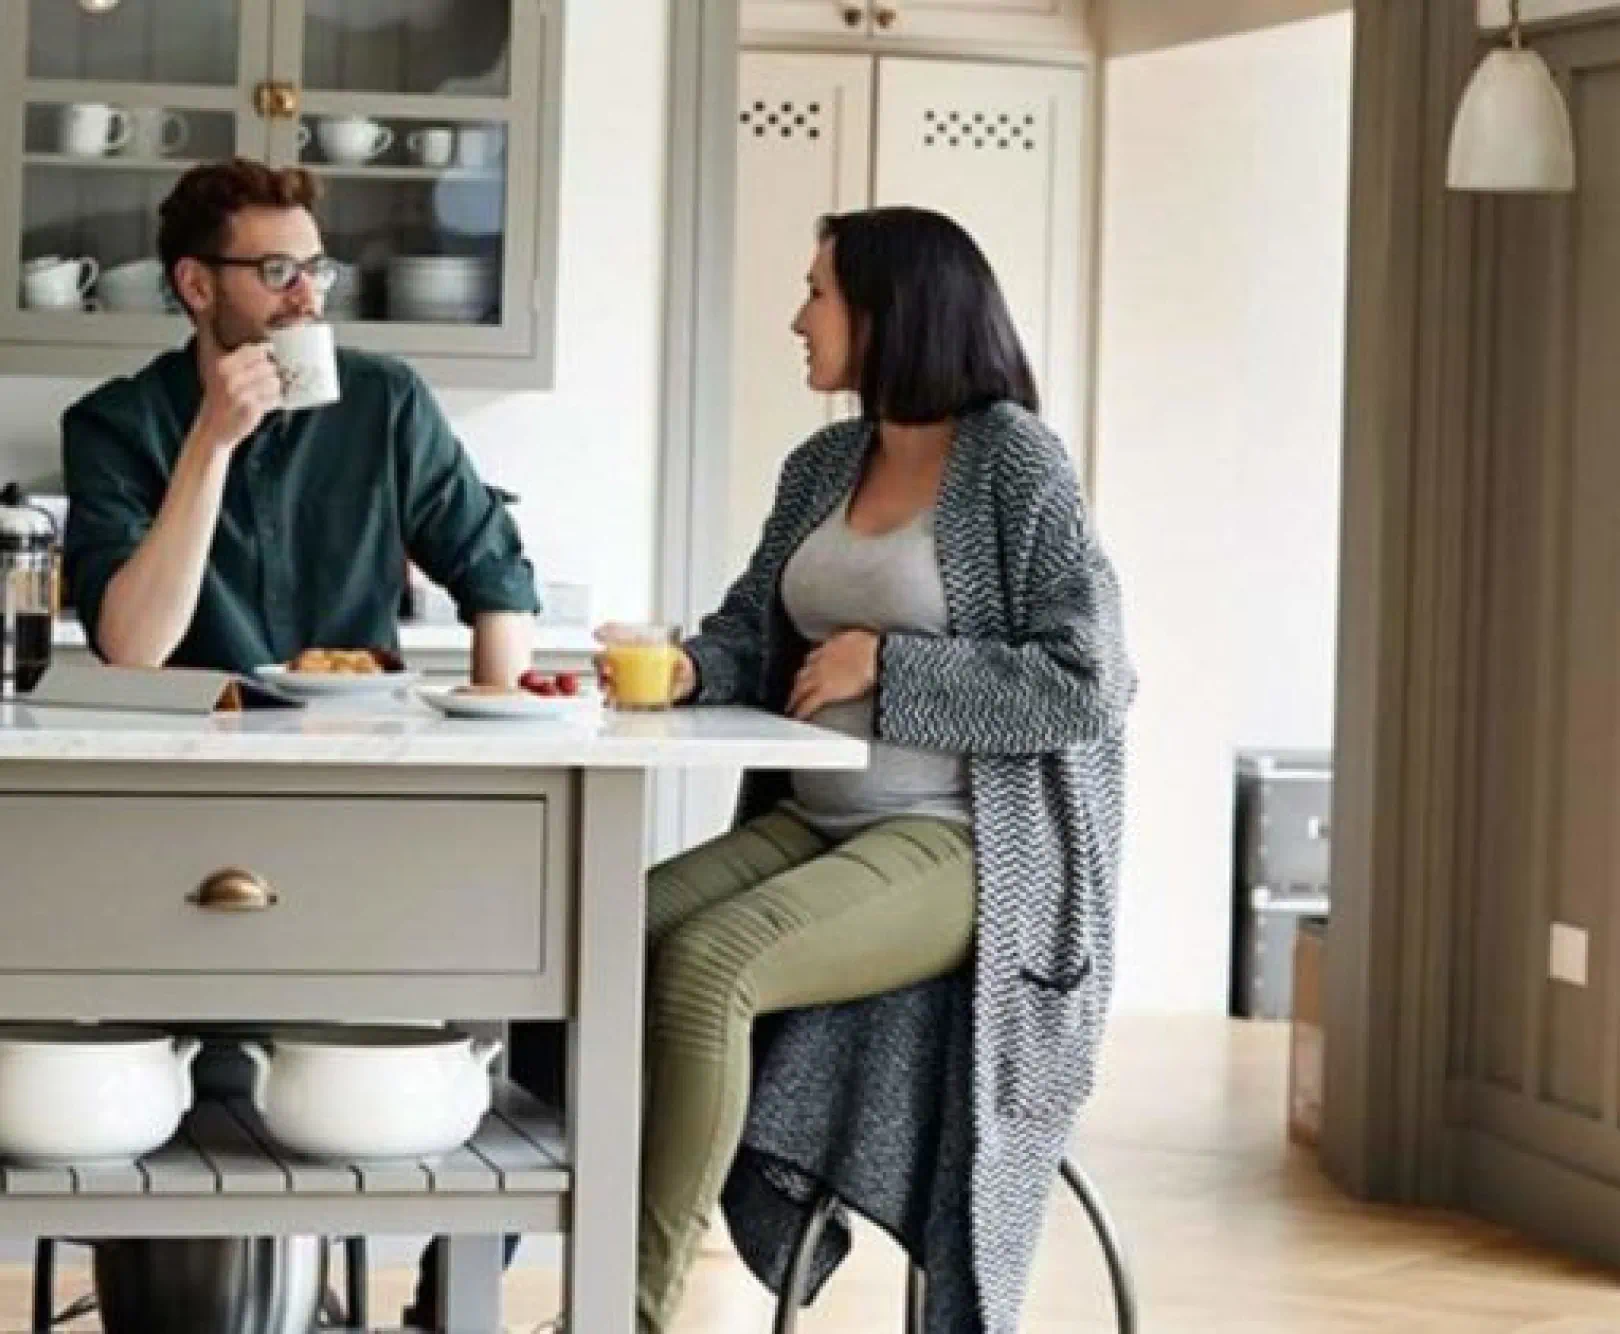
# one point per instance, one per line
(345, 862)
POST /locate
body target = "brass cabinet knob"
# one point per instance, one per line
(853, 14)
(887, 16)
(234, 890)
(276, 101)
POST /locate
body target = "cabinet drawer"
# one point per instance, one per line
(361, 884)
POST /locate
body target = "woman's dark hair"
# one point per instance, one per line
(930, 326)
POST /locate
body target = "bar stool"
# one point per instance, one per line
(1119, 1274)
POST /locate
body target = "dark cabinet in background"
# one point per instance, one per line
(1280, 872)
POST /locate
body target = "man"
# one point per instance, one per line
(209, 528)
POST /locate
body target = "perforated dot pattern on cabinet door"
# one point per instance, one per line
(996, 130)
(785, 120)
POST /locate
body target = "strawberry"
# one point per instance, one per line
(533, 679)
(547, 687)
(567, 683)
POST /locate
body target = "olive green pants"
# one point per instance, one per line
(769, 917)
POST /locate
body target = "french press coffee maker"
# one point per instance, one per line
(29, 579)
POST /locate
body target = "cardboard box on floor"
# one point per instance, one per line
(1305, 1038)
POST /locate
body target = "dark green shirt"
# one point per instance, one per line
(321, 510)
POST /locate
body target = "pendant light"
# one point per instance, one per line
(1512, 132)
(98, 6)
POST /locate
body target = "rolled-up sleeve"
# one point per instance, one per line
(114, 487)
(456, 532)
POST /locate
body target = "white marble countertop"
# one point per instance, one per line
(407, 732)
(415, 637)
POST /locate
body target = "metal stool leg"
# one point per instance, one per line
(44, 1284)
(787, 1305)
(356, 1270)
(916, 1298)
(1113, 1252)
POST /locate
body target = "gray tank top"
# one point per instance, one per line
(839, 579)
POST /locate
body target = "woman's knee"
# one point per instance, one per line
(698, 972)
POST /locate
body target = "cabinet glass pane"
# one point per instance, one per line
(146, 41)
(101, 207)
(418, 208)
(408, 46)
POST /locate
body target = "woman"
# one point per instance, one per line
(926, 580)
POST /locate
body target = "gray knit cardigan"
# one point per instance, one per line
(1032, 683)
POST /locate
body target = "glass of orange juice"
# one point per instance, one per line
(642, 659)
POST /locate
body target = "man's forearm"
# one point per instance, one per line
(503, 643)
(150, 602)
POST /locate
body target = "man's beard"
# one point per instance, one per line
(231, 329)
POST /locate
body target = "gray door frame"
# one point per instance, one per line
(1407, 627)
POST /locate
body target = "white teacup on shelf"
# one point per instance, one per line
(53, 283)
(92, 129)
(433, 146)
(477, 146)
(156, 132)
(138, 286)
(348, 140)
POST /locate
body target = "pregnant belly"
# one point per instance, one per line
(896, 777)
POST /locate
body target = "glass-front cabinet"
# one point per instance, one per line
(432, 126)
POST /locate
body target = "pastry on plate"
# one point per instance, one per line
(345, 661)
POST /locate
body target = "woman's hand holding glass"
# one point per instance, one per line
(643, 667)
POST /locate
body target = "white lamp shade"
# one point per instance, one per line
(1512, 131)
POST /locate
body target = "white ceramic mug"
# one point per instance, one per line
(92, 129)
(156, 132)
(477, 146)
(349, 140)
(52, 283)
(432, 147)
(137, 286)
(306, 357)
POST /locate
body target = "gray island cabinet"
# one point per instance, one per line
(433, 125)
(393, 865)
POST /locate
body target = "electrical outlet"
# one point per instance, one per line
(1566, 955)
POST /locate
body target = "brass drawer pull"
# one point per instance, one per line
(234, 890)
(886, 16)
(276, 101)
(853, 14)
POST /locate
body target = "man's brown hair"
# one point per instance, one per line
(192, 221)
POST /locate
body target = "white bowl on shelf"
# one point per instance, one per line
(370, 1093)
(441, 288)
(138, 286)
(88, 1094)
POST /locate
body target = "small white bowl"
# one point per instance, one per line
(364, 1094)
(86, 1095)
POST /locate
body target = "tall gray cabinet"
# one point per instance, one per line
(454, 106)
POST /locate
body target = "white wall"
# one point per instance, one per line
(1131, 26)
(583, 457)
(1225, 209)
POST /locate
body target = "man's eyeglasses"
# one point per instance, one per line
(280, 272)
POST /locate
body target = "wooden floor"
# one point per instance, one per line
(1231, 1231)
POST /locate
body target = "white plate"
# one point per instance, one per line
(586, 707)
(334, 683)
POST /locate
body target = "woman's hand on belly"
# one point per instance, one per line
(842, 668)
